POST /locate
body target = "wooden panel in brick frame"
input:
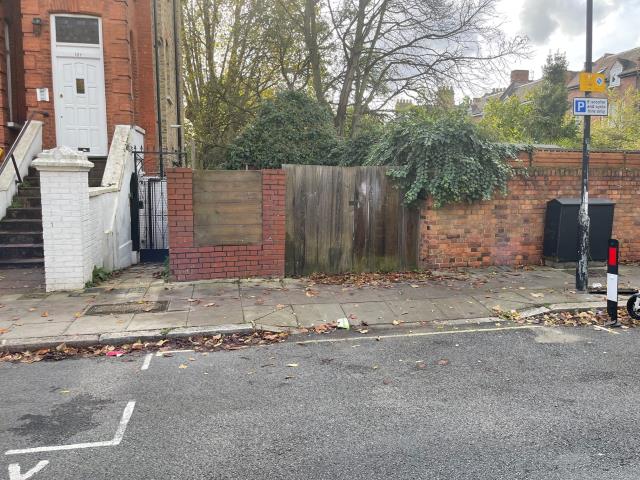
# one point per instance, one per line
(227, 207)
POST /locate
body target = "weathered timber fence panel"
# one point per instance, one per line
(227, 207)
(344, 219)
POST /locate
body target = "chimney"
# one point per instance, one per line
(519, 76)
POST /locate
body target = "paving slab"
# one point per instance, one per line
(179, 304)
(217, 315)
(34, 330)
(315, 314)
(151, 321)
(504, 301)
(99, 324)
(422, 291)
(263, 295)
(216, 289)
(415, 310)
(270, 315)
(372, 313)
(461, 307)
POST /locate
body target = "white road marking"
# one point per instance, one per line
(419, 334)
(122, 426)
(14, 470)
(598, 327)
(160, 354)
(147, 361)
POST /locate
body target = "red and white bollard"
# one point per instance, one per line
(612, 282)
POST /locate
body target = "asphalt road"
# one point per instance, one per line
(508, 404)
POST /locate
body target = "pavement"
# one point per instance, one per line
(522, 402)
(137, 303)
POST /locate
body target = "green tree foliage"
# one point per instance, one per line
(547, 121)
(355, 149)
(506, 121)
(443, 155)
(621, 129)
(291, 128)
(236, 53)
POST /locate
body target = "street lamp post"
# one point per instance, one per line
(582, 268)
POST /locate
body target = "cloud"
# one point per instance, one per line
(539, 19)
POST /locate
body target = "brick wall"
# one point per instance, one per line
(189, 262)
(128, 61)
(509, 230)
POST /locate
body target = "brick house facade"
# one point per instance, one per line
(43, 33)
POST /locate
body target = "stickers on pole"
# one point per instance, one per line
(592, 82)
(596, 107)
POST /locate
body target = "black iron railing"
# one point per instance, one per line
(10, 155)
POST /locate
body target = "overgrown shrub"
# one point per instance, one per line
(291, 128)
(355, 151)
(443, 155)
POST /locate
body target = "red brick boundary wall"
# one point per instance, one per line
(189, 262)
(509, 230)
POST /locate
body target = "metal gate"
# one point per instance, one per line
(149, 228)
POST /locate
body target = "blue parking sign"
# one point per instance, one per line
(598, 107)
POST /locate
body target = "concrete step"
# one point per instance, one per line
(31, 181)
(22, 263)
(28, 191)
(23, 201)
(21, 225)
(21, 251)
(24, 213)
(20, 237)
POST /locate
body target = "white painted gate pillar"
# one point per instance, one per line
(66, 221)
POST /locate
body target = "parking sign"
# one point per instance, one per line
(597, 107)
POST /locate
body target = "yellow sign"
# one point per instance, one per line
(592, 82)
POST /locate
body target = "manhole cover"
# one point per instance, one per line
(133, 307)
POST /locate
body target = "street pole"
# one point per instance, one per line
(582, 269)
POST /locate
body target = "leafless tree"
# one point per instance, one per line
(394, 48)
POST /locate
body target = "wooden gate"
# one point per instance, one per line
(347, 219)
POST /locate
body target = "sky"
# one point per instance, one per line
(559, 25)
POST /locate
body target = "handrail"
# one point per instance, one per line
(9, 154)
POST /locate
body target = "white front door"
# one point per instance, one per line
(78, 83)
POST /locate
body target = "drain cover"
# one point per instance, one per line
(132, 307)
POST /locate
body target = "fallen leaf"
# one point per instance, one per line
(387, 381)
(3, 330)
(536, 295)
(280, 306)
(443, 362)
(32, 309)
(413, 285)
(182, 365)
(44, 314)
(212, 304)
(363, 331)
(192, 300)
(115, 353)
(396, 322)
(421, 365)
